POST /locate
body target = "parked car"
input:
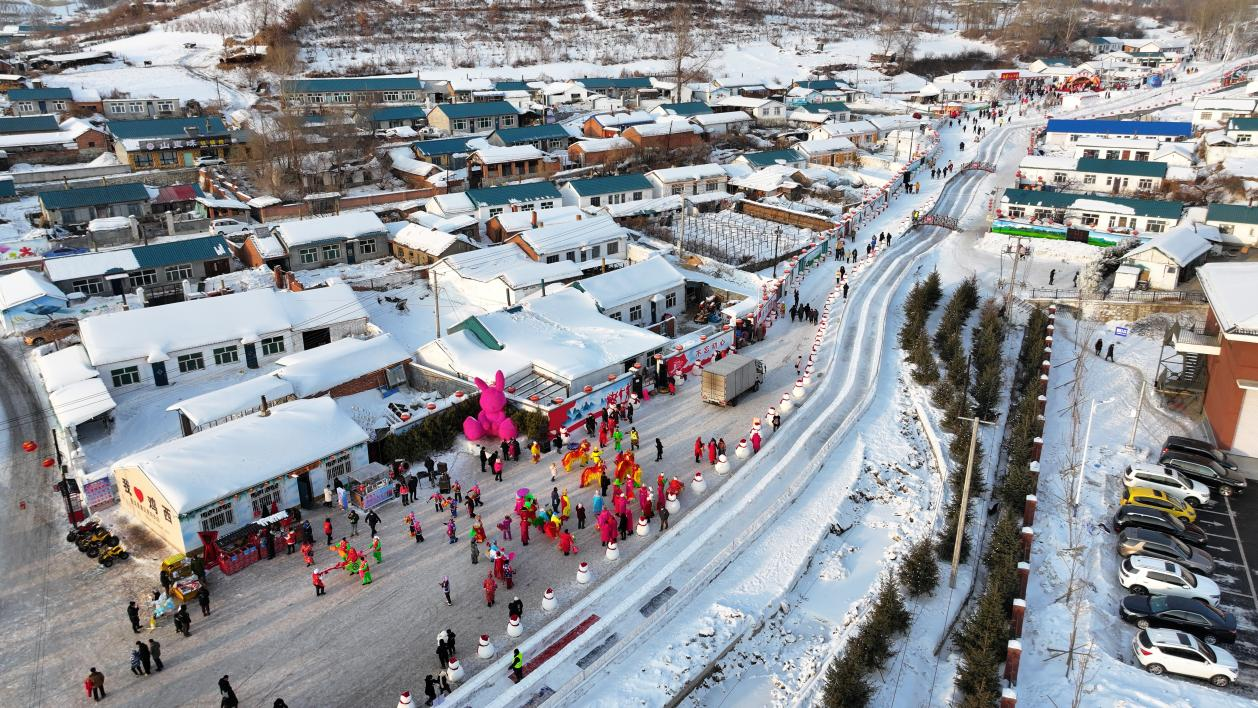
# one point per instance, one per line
(1193, 446)
(223, 227)
(1146, 575)
(1191, 615)
(1207, 470)
(1144, 542)
(1154, 499)
(51, 332)
(1165, 479)
(208, 161)
(1142, 517)
(1164, 650)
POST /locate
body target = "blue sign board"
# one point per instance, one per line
(1121, 331)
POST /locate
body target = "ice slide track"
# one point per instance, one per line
(778, 473)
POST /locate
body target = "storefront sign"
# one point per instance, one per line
(571, 414)
(99, 493)
(701, 353)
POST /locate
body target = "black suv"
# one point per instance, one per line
(1157, 520)
(1206, 470)
(1193, 446)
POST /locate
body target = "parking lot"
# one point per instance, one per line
(1232, 538)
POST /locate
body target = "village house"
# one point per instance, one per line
(502, 227)
(499, 165)
(630, 89)
(499, 276)
(595, 240)
(789, 157)
(155, 346)
(259, 250)
(609, 125)
(59, 100)
(600, 151)
(764, 111)
(560, 93)
(713, 124)
(464, 90)
(603, 191)
(449, 153)
(668, 134)
(73, 140)
(642, 294)
(27, 298)
(77, 206)
(1139, 149)
(1093, 211)
(1091, 174)
(1242, 131)
(1237, 223)
(861, 133)
(420, 245)
(1061, 131)
(351, 91)
(1209, 112)
(550, 137)
(829, 152)
(478, 117)
(401, 116)
(141, 108)
(1166, 260)
(1230, 348)
(170, 142)
(688, 180)
(160, 268)
(193, 485)
(488, 202)
(683, 110)
(350, 237)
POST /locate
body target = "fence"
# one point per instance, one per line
(1117, 295)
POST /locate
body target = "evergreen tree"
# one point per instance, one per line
(920, 572)
(890, 618)
(932, 291)
(846, 685)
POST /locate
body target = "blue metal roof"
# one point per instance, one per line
(1062, 200)
(506, 194)
(1166, 129)
(613, 184)
(205, 248)
(93, 196)
(624, 82)
(480, 109)
(1233, 213)
(827, 107)
(512, 86)
(398, 113)
(29, 124)
(442, 146)
(771, 157)
(530, 133)
(168, 128)
(822, 84)
(41, 94)
(687, 108)
(353, 83)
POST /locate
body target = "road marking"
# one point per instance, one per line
(1214, 535)
(1212, 511)
(1249, 574)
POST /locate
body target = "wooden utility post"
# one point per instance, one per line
(965, 496)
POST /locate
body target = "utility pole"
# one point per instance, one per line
(777, 238)
(436, 301)
(1131, 443)
(965, 496)
(1083, 461)
(681, 231)
(1013, 274)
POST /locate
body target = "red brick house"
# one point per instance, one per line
(1230, 346)
(601, 151)
(668, 135)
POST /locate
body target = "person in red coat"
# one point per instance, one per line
(698, 449)
(524, 531)
(565, 542)
(491, 586)
(317, 581)
(711, 452)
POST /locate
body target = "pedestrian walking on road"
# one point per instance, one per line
(445, 588)
(698, 455)
(137, 666)
(327, 495)
(491, 587)
(327, 530)
(1098, 346)
(155, 651)
(96, 681)
(475, 552)
(484, 459)
(1109, 352)
(373, 520)
(845, 291)
(146, 659)
(1052, 274)
(352, 517)
(580, 515)
(203, 599)
(133, 613)
(1076, 280)
(517, 666)
(443, 653)
(659, 450)
(227, 694)
(663, 518)
(430, 689)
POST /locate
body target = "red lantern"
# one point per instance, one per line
(535, 398)
(588, 389)
(511, 389)
(557, 400)
(405, 417)
(611, 377)
(48, 462)
(432, 406)
(458, 394)
(29, 446)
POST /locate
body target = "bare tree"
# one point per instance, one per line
(686, 51)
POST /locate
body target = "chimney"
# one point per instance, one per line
(265, 410)
(278, 272)
(534, 218)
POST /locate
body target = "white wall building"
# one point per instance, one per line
(641, 294)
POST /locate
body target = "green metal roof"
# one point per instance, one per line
(480, 109)
(624, 82)
(7, 188)
(512, 86)
(530, 133)
(687, 108)
(827, 107)
(29, 124)
(1233, 213)
(771, 157)
(506, 194)
(353, 83)
(1062, 200)
(41, 94)
(443, 146)
(1134, 168)
(398, 113)
(1243, 124)
(474, 327)
(613, 184)
(93, 196)
(822, 84)
(168, 128)
(206, 248)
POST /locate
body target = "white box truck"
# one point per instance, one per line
(727, 379)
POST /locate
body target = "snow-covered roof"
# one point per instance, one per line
(1090, 141)
(1232, 289)
(825, 146)
(1224, 103)
(64, 367)
(317, 370)
(742, 102)
(687, 173)
(563, 332)
(497, 155)
(633, 282)
(509, 263)
(710, 119)
(422, 238)
(151, 332)
(768, 179)
(349, 225)
(604, 144)
(614, 120)
(1183, 244)
(264, 201)
(74, 388)
(109, 223)
(64, 268)
(268, 246)
(442, 223)
(450, 204)
(25, 285)
(513, 221)
(194, 471)
(223, 203)
(1107, 206)
(664, 127)
(1047, 162)
(566, 236)
(230, 400)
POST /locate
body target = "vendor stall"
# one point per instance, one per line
(370, 486)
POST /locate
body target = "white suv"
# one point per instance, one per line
(1165, 479)
(1146, 575)
(1166, 650)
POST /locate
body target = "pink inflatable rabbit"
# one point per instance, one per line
(492, 419)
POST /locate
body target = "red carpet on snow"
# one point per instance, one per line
(562, 642)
